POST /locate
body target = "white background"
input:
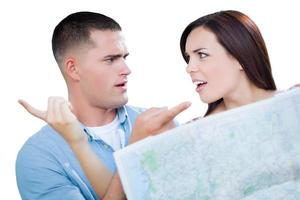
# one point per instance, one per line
(152, 30)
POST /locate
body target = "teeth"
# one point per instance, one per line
(199, 82)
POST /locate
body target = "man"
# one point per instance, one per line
(90, 53)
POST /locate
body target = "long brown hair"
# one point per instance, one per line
(241, 38)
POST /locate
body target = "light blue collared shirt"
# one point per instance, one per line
(47, 169)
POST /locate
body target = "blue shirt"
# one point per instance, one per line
(47, 169)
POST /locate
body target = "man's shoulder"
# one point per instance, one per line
(44, 162)
(44, 135)
(43, 142)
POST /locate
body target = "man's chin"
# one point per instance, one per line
(121, 102)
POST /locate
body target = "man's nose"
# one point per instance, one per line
(125, 69)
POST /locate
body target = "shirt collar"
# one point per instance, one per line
(122, 116)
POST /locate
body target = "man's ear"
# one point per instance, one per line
(71, 69)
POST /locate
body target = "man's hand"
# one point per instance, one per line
(59, 116)
(155, 121)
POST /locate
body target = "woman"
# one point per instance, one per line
(227, 61)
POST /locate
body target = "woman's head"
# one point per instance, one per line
(223, 46)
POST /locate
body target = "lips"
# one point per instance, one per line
(200, 84)
(121, 83)
(122, 86)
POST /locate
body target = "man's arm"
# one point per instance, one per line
(150, 122)
(60, 117)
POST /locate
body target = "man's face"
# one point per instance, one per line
(103, 71)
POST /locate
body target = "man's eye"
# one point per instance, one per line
(110, 60)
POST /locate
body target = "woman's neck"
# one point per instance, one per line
(244, 97)
(248, 96)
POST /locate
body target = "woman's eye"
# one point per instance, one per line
(202, 55)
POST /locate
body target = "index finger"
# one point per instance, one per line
(35, 112)
(173, 112)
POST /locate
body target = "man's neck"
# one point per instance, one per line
(90, 115)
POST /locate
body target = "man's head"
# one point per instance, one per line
(91, 52)
(74, 30)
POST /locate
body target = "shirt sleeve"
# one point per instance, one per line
(40, 176)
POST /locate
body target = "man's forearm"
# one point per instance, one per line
(115, 190)
(99, 176)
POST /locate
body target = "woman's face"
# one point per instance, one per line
(215, 73)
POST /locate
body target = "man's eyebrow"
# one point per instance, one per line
(116, 56)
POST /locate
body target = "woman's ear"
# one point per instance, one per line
(71, 69)
(236, 64)
(239, 65)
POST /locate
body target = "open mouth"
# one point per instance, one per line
(199, 84)
(121, 85)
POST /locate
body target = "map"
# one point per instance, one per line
(249, 153)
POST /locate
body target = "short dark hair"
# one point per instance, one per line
(241, 38)
(75, 30)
